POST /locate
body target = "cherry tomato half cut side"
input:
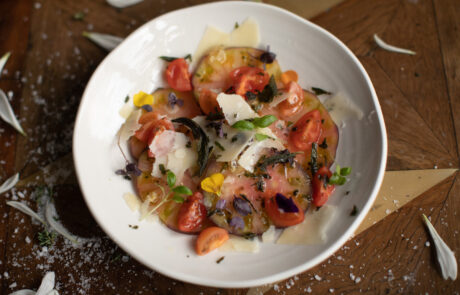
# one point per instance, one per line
(280, 218)
(192, 214)
(178, 76)
(321, 189)
(306, 131)
(210, 239)
(248, 79)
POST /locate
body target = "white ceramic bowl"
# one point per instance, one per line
(320, 59)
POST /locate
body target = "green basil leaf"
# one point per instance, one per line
(334, 179)
(345, 171)
(319, 91)
(170, 178)
(168, 58)
(178, 199)
(183, 190)
(264, 121)
(260, 136)
(243, 125)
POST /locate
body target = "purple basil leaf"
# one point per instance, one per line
(286, 204)
(147, 107)
(237, 222)
(221, 204)
(120, 172)
(131, 168)
(241, 206)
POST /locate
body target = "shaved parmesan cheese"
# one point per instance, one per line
(235, 108)
(253, 153)
(130, 126)
(313, 230)
(341, 108)
(239, 244)
(246, 35)
(269, 235)
(126, 110)
(172, 153)
(132, 201)
(162, 143)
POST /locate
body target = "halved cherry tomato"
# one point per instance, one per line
(208, 101)
(321, 189)
(293, 103)
(306, 131)
(250, 79)
(178, 76)
(210, 239)
(192, 214)
(280, 218)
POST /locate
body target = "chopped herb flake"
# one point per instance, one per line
(319, 91)
(354, 211)
(220, 259)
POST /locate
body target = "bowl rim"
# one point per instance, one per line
(280, 275)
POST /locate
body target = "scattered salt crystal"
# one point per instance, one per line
(351, 266)
(317, 277)
(435, 167)
(308, 289)
(388, 211)
(415, 247)
(276, 287)
(13, 285)
(357, 280)
(331, 290)
(27, 239)
(352, 276)
(37, 5)
(427, 244)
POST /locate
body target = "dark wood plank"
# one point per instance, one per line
(421, 78)
(448, 25)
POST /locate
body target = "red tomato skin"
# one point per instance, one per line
(208, 101)
(250, 79)
(282, 219)
(178, 76)
(192, 214)
(321, 193)
(306, 131)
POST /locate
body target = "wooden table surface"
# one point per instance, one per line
(420, 96)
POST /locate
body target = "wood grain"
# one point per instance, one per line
(419, 95)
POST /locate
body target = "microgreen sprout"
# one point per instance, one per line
(338, 178)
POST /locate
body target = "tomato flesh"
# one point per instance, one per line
(293, 103)
(192, 214)
(280, 218)
(248, 79)
(178, 76)
(208, 101)
(306, 131)
(321, 189)
(210, 239)
(153, 124)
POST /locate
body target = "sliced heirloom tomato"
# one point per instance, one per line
(284, 211)
(321, 189)
(210, 239)
(178, 76)
(152, 124)
(248, 79)
(192, 214)
(306, 131)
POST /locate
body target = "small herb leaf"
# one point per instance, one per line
(171, 179)
(183, 190)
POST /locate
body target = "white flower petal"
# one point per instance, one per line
(47, 284)
(3, 61)
(50, 212)
(24, 209)
(446, 257)
(9, 183)
(23, 292)
(123, 3)
(108, 42)
(7, 114)
(391, 48)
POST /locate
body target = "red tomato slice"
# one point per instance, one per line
(280, 218)
(178, 76)
(306, 131)
(250, 79)
(210, 239)
(192, 214)
(293, 103)
(321, 190)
